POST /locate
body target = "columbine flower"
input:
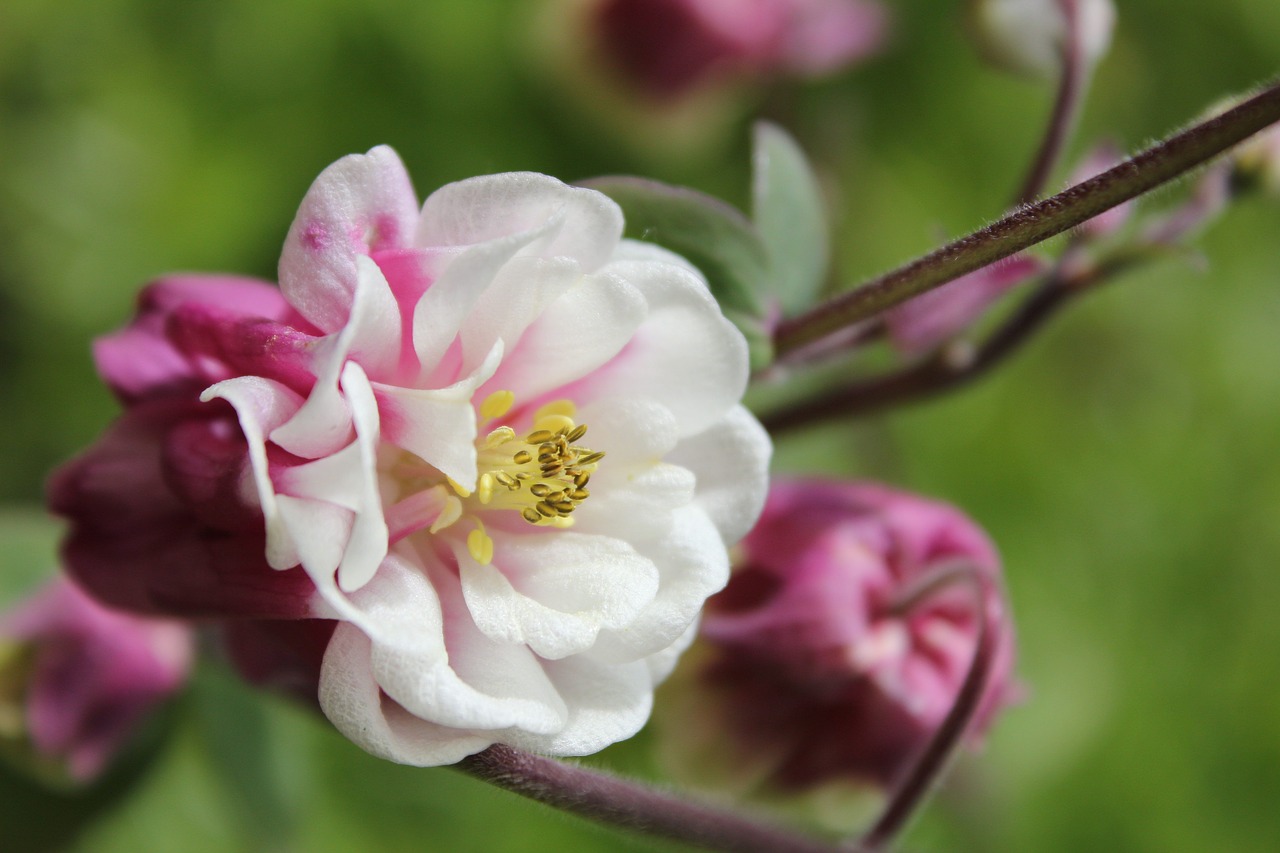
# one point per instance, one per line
(668, 47)
(78, 680)
(503, 445)
(835, 650)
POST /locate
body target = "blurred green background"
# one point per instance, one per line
(1126, 463)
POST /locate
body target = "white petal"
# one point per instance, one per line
(582, 330)
(685, 355)
(460, 282)
(362, 203)
(693, 564)
(491, 206)
(731, 462)
(320, 530)
(555, 592)
(438, 425)
(354, 703)
(323, 424)
(607, 703)
(262, 405)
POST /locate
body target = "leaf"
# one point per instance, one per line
(790, 218)
(30, 553)
(712, 235)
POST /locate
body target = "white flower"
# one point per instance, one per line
(1028, 36)
(506, 446)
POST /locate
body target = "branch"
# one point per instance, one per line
(631, 806)
(1030, 225)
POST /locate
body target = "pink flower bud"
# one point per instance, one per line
(923, 323)
(77, 680)
(1099, 159)
(838, 646)
(668, 47)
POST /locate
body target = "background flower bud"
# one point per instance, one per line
(822, 662)
(665, 48)
(1027, 36)
(78, 680)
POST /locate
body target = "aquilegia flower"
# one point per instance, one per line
(498, 445)
(78, 680)
(838, 646)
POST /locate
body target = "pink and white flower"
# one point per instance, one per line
(503, 445)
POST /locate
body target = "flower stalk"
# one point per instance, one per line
(921, 775)
(1035, 223)
(630, 806)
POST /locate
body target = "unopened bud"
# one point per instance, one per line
(1030, 36)
(839, 645)
(77, 680)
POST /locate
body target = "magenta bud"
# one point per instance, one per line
(842, 640)
(933, 318)
(667, 48)
(78, 680)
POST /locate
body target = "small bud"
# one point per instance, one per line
(1257, 160)
(1028, 37)
(78, 680)
(933, 318)
(838, 647)
(667, 48)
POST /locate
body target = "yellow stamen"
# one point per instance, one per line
(462, 493)
(497, 404)
(480, 544)
(449, 513)
(556, 407)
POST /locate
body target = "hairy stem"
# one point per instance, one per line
(1073, 81)
(1032, 224)
(631, 806)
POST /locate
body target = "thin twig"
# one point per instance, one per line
(632, 806)
(1030, 225)
(1073, 82)
(927, 768)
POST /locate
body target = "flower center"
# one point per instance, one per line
(543, 474)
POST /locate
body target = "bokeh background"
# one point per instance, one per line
(1126, 464)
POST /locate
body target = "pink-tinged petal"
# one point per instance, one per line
(362, 204)
(140, 361)
(825, 35)
(522, 290)
(555, 593)
(354, 702)
(587, 224)
(607, 702)
(692, 564)
(317, 531)
(136, 545)
(460, 280)
(685, 354)
(582, 330)
(438, 425)
(262, 405)
(731, 463)
(926, 321)
(372, 337)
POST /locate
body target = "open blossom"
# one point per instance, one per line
(496, 447)
(77, 680)
(837, 647)
(669, 47)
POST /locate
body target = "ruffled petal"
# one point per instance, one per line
(693, 564)
(554, 593)
(685, 354)
(262, 405)
(582, 330)
(731, 463)
(361, 204)
(354, 702)
(438, 425)
(493, 206)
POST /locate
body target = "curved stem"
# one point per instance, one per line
(1072, 84)
(1035, 223)
(925, 770)
(629, 805)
